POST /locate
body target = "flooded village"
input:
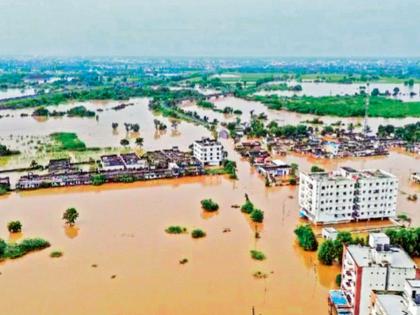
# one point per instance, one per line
(128, 194)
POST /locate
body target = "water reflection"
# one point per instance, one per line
(71, 231)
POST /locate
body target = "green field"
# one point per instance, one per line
(343, 106)
(63, 141)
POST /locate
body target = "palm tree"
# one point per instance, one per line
(139, 141)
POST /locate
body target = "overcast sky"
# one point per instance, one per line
(221, 28)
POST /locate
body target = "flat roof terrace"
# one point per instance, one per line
(112, 160)
(130, 158)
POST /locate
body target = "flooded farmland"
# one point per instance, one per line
(119, 260)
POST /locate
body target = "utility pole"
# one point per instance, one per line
(365, 123)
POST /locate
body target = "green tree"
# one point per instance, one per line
(139, 141)
(124, 142)
(316, 169)
(209, 205)
(70, 216)
(14, 227)
(306, 238)
(327, 252)
(3, 246)
(247, 207)
(257, 216)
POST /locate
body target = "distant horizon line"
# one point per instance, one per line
(202, 57)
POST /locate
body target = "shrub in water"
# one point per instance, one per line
(175, 229)
(257, 216)
(209, 205)
(197, 233)
(257, 255)
(14, 226)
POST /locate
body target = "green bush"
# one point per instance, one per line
(247, 207)
(209, 205)
(175, 229)
(257, 216)
(197, 233)
(98, 179)
(14, 227)
(338, 280)
(13, 251)
(257, 255)
(327, 252)
(306, 238)
(316, 169)
(56, 254)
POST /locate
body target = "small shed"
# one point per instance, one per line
(329, 233)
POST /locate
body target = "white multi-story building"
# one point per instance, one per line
(346, 195)
(407, 303)
(379, 267)
(208, 151)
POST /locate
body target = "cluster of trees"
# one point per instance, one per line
(410, 132)
(317, 169)
(16, 250)
(5, 151)
(408, 239)
(80, 111)
(306, 237)
(255, 214)
(287, 131)
(330, 251)
(230, 168)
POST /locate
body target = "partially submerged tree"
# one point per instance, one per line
(14, 227)
(70, 216)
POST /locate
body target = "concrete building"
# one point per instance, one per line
(379, 267)
(406, 303)
(208, 151)
(346, 195)
(112, 162)
(329, 233)
(274, 168)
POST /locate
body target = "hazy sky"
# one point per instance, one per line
(210, 27)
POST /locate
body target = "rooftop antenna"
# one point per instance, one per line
(365, 123)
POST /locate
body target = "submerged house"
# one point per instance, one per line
(274, 168)
(112, 162)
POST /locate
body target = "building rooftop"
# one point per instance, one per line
(392, 304)
(349, 173)
(364, 257)
(207, 142)
(414, 283)
(130, 158)
(112, 160)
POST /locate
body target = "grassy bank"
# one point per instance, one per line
(343, 106)
(63, 141)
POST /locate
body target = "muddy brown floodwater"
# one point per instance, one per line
(118, 259)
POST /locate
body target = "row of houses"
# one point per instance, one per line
(345, 145)
(157, 164)
(378, 279)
